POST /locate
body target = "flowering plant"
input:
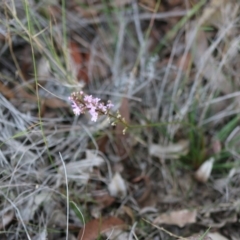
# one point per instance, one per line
(82, 103)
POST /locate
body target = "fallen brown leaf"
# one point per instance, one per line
(54, 11)
(105, 200)
(129, 212)
(102, 142)
(148, 187)
(174, 3)
(96, 227)
(78, 61)
(55, 103)
(74, 52)
(51, 103)
(47, 102)
(6, 92)
(122, 139)
(88, 12)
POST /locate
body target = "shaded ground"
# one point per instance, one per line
(171, 69)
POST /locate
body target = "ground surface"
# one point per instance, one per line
(171, 69)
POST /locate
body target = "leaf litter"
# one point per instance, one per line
(204, 171)
(96, 227)
(117, 186)
(179, 218)
(191, 81)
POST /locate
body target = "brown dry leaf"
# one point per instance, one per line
(96, 227)
(171, 151)
(47, 102)
(124, 112)
(179, 218)
(77, 62)
(55, 103)
(83, 73)
(91, 11)
(75, 55)
(148, 188)
(6, 92)
(25, 63)
(25, 95)
(174, 3)
(129, 212)
(51, 103)
(105, 200)
(122, 139)
(101, 142)
(54, 11)
(204, 171)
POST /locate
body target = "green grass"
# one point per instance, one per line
(172, 33)
(227, 128)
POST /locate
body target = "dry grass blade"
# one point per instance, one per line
(171, 69)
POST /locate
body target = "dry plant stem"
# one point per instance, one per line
(30, 36)
(146, 37)
(67, 194)
(166, 231)
(9, 40)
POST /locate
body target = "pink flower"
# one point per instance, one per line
(76, 108)
(102, 107)
(88, 98)
(109, 105)
(82, 103)
(94, 114)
